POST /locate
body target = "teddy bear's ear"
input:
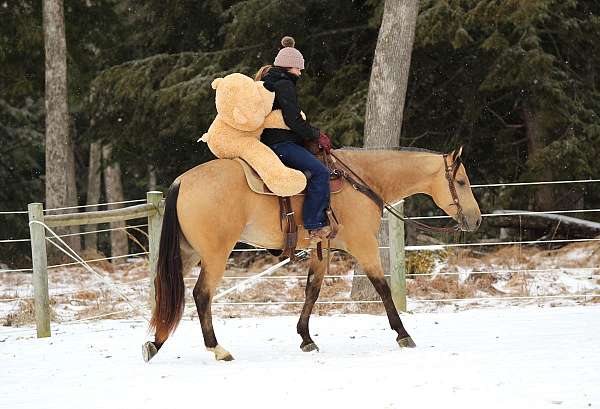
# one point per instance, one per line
(215, 83)
(239, 117)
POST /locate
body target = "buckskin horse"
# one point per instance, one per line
(210, 208)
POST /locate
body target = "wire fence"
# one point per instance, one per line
(245, 280)
(549, 182)
(515, 213)
(94, 205)
(415, 300)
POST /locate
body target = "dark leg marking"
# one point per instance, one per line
(313, 288)
(382, 288)
(202, 299)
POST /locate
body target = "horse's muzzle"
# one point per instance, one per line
(469, 224)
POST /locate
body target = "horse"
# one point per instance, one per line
(210, 208)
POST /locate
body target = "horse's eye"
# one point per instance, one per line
(461, 182)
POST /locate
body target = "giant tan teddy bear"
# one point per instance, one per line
(244, 110)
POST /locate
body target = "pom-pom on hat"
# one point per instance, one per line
(288, 56)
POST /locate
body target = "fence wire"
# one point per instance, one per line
(415, 300)
(262, 276)
(94, 205)
(515, 213)
(551, 182)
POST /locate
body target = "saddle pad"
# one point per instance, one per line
(257, 185)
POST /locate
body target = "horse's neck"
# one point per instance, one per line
(394, 175)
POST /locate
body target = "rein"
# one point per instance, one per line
(364, 188)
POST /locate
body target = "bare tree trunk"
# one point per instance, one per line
(151, 178)
(93, 191)
(385, 102)
(114, 193)
(389, 75)
(72, 197)
(543, 197)
(61, 189)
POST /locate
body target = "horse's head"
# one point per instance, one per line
(451, 191)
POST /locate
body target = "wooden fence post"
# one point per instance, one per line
(40, 270)
(397, 259)
(154, 227)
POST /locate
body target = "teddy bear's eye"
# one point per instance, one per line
(461, 182)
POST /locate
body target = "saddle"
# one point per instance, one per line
(257, 185)
(287, 221)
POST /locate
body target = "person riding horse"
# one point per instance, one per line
(281, 78)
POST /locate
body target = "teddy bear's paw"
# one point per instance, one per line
(288, 183)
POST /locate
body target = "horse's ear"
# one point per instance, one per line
(456, 154)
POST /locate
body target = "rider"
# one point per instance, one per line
(281, 78)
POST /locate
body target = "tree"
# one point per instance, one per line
(60, 166)
(385, 102)
(389, 75)
(114, 193)
(516, 83)
(93, 192)
(167, 97)
(483, 73)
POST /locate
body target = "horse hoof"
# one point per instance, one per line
(406, 342)
(148, 351)
(226, 358)
(309, 347)
(221, 354)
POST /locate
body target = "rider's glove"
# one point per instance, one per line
(325, 142)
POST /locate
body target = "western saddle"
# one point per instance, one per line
(286, 214)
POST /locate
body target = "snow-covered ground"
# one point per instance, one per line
(525, 357)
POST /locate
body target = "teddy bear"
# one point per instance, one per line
(243, 111)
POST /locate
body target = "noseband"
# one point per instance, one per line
(363, 187)
(451, 170)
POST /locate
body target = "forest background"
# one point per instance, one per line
(514, 81)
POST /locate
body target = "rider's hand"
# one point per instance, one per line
(325, 142)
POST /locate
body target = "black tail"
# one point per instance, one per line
(168, 284)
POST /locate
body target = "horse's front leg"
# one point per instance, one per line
(314, 281)
(367, 255)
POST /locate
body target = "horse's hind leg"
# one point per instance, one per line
(314, 281)
(367, 255)
(204, 290)
(189, 260)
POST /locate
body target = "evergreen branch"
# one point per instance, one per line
(501, 98)
(338, 31)
(263, 44)
(233, 50)
(506, 125)
(424, 134)
(441, 86)
(561, 60)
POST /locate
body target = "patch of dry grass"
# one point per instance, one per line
(424, 262)
(438, 287)
(24, 313)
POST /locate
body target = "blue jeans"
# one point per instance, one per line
(316, 200)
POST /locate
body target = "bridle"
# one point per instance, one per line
(451, 170)
(360, 185)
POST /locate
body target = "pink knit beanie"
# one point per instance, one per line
(288, 56)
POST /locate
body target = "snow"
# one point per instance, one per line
(493, 358)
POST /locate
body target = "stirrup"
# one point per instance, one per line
(320, 234)
(333, 223)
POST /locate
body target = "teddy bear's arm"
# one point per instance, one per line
(275, 120)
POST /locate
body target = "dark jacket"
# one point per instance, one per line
(283, 84)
